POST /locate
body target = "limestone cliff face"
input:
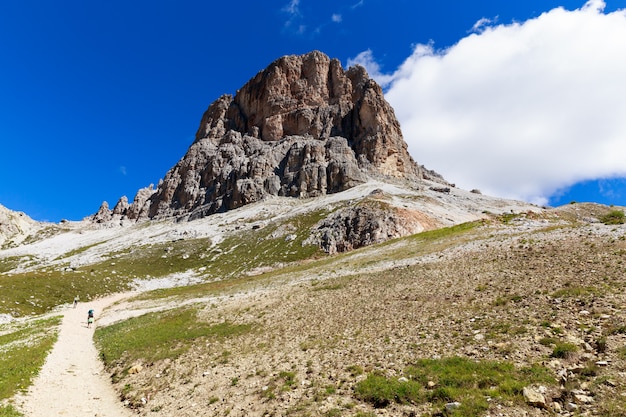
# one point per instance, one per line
(302, 127)
(15, 227)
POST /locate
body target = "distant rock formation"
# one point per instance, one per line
(365, 224)
(15, 227)
(302, 127)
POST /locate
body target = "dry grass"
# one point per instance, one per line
(515, 293)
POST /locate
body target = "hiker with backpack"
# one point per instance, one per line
(89, 318)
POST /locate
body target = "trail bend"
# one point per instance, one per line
(72, 381)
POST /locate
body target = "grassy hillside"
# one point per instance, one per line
(23, 349)
(456, 321)
(471, 315)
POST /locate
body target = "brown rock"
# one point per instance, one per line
(135, 369)
(368, 223)
(534, 397)
(302, 127)
(103, 214)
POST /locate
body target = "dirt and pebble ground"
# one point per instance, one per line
(500, 296)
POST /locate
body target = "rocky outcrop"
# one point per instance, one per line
(103, 214)
(15, 227)
(303, 127)
(368, 223)
(123, 210)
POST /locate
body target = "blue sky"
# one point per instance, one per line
(517, 99)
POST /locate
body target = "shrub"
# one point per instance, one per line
(160, 335)
(613, 217)
(381, 391)
(456, 379)
(601, 344)
(9, 411)
(564, 350)
(548, 341)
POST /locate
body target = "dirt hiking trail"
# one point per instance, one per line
(72, 381)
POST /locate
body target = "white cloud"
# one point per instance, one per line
(293, 7)
(357, 4)
(482, 24)
(336, 17)
(519, 110)
(367, 61)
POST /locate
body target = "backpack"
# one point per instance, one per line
(90, 313)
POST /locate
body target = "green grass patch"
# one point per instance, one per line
(329, 285)
(161, 335)
(506, 218)
(41, 234)
(575, 291)
(23, 352)
(564, 350)
(616, 329)
(382, 391)
(445, 232)
(284, 381)
(38, 292)
(80, 250)
(9, 411)
(239, 252)
(613, 217)
(225, 261)
(548, 341)
(455, 379)
(11, 262)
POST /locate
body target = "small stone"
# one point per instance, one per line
(135, 369)
(571, 407)
(554, 364)
(602, 363)
(576, 369)
(453, 406)
(557, 407)
(583, 399)
(403, 379)
(534, 397)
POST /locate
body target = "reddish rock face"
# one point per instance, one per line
(302, 127)
(311, 95)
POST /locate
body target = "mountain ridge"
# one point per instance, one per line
(302, 127)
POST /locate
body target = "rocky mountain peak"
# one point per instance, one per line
(15, 227)
(302, 127)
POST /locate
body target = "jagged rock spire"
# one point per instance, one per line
(302, 127)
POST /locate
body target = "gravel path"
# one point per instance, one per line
(72, 381)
